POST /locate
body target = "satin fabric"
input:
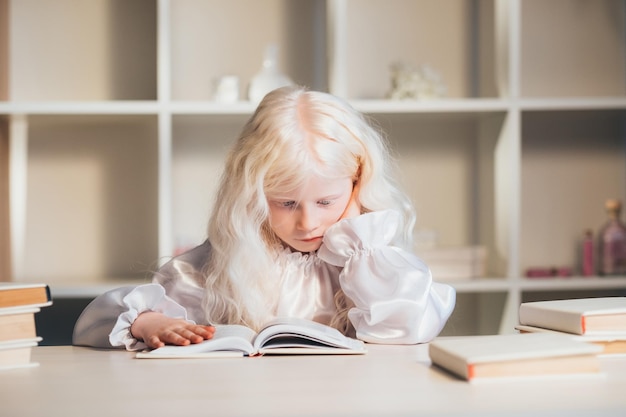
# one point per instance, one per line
(395, 298)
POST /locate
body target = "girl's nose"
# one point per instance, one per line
(308, 219)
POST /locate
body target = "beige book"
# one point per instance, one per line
(578, 316)
(24, 295)
(514, 355)
(17, 353)
(17, 323)
(611, 343)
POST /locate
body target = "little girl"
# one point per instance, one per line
(307, 223)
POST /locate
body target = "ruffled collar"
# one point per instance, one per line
(288, 255)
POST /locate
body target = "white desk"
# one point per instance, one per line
(388, 381)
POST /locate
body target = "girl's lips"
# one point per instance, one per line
(313, 239)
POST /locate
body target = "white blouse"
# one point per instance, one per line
(395, 299)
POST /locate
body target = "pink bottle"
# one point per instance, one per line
(612, 242)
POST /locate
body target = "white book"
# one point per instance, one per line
(611, 343)
(17, 353)
(578, 316)
(515, 355)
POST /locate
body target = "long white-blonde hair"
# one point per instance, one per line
(293, 133)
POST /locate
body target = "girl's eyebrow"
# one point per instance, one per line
(291, 198)
(281, 198)
(330, 197)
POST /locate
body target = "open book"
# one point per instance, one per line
(281, 336)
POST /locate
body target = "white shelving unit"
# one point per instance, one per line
(115, 143)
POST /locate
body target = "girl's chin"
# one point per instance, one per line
(306, 246)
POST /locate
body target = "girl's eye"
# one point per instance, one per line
(287, 203)
(324, 202)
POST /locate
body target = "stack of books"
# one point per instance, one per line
(600, 321)
(556, 338)
(18, 334)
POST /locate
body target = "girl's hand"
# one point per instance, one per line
(353, 209)
(157, 330)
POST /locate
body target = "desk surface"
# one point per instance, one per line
(387, 381)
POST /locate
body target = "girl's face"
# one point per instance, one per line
(301, 217)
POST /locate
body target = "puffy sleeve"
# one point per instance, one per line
(106, 321)
(176, 291)
(395, 298)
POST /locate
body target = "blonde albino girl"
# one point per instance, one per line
(307, 222)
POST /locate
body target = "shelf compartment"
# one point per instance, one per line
(446, 163)
(461, 52)
(582, 55)
(199, 56)
(106, 50)
(200, 145)
(572, 161)
(91, 199)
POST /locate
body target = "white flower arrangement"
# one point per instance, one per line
(410, 83)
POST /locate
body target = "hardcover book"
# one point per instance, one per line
(578, 316)
(22, 295)
(17, 353)
(17, 323)
(611, 343)
(516, 355)
(281, 336)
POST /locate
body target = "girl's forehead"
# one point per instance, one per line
(313, 185)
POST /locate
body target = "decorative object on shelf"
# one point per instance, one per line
(227, 89)
(410, 83)
(541, 272)
(612, 241)
(269, 76)
(588, 267)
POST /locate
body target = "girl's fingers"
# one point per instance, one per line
(193, 334)
(182, 334)
(154, 342)
(206, 332)
(176, 338)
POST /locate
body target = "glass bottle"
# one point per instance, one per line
(612, 242)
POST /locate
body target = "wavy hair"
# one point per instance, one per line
(293, 133)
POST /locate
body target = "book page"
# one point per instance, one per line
(228, 340)
(301, 333)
